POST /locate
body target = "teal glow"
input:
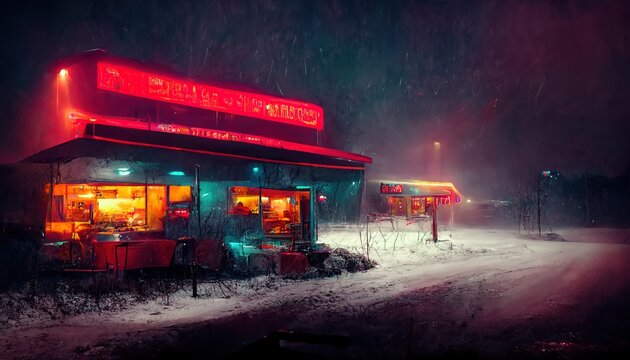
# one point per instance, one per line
(205, 194)
(302, 187)
(236, 248)
(177, 173)
(256, 169)
(122, 171)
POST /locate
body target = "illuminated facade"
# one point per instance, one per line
(143, 161)
(413, 198)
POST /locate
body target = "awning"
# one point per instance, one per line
(113, 142)
(417, 188)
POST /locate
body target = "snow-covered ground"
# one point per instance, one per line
(486, 292)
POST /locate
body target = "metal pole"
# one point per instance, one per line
(198, 202)
(146, 200)
(51, 196)
(434, 225)
(260, 207)
(538, 200)
(194, 244)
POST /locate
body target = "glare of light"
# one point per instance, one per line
(467, 200)
(177, 173)
(88, 195)
(436, 144)
(205, 194)
(123, 171)
(354, 182)
(63, 73)
(256, 169)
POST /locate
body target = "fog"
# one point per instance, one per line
(507, 88)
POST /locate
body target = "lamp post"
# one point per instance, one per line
(62, 75)
(538, 190)
(546, 174)
(256, 171)
(194, 244)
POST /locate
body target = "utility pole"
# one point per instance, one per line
(538, 199)
(194, 243)
(434, 221)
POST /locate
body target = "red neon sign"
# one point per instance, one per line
(83, 119)
(129, 81)
(391, 188)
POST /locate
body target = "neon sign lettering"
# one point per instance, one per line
(391, 188)
(81, 120)
(129, 81)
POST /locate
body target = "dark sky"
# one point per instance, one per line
(507, 87)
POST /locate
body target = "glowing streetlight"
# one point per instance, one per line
(63, 74)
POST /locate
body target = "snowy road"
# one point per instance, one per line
(481, 292)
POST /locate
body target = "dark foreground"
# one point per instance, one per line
(494, 299)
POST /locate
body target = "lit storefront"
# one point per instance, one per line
(413, 198)
(141, 162)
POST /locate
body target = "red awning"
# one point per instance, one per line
(104, 141)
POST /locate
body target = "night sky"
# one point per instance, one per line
(507, 87)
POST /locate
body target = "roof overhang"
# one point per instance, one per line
(105, 141)
(421, 187)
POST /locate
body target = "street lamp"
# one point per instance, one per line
(546, 174)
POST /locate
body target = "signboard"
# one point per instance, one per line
(391, 188)
(129, 81)
(81, 120)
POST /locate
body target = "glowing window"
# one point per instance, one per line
(179, 194)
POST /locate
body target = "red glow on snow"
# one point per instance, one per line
(129, 81)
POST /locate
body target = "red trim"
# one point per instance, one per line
(126, 80)
(82, 119)
(205, 152)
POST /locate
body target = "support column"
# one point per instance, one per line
(434, 225)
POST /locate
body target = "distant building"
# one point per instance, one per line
(413, 198)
